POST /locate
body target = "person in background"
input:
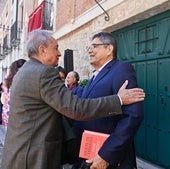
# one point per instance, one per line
(38, 100)
(69, 135)
(62, 73)
(117, 151)
(72, 82)
(5, 96)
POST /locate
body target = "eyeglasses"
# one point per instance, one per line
(92, 46)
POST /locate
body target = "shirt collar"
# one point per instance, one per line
(96, 72)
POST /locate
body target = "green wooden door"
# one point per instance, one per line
(147, 46)
(164, 111)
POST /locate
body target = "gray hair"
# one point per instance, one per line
(37, 38)
(107, 38)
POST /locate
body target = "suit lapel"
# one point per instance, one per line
(91, 84)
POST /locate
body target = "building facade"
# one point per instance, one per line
(15, 20)
(142, 29)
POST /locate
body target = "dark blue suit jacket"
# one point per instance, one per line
(118, 148)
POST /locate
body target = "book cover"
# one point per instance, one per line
(91, 142)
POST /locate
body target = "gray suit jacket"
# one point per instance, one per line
(35, 132)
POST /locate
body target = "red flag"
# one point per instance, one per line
(36, 18)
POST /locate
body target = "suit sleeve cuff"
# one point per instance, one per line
(120, 100)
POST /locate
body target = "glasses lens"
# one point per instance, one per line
(92, 46)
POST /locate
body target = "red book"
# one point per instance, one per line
(91, 142)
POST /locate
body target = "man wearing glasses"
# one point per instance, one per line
(118, 150)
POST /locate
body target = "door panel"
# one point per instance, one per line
(164, 94)
(164, 38)
(164, 111)
(140, 69)
(151, 110)
(126, 44)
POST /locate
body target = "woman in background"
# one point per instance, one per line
(5, 97)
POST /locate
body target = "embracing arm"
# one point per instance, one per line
(61, 99)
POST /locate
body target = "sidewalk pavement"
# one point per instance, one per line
(2, 138)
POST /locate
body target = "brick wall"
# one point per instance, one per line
(68, 10)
